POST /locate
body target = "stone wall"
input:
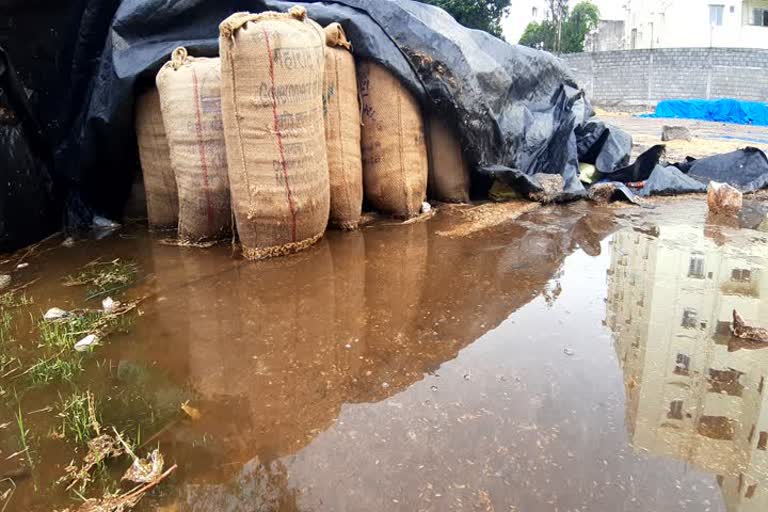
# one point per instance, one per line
(638, 79)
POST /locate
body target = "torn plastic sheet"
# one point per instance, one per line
(745, 169)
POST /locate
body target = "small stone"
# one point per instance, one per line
(55, 314)
(5, 281)
(669, 133)
(86, 343)
(724, 199)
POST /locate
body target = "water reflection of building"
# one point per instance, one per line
(689, 395)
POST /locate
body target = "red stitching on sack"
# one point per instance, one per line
(280, 136)
(201, 147)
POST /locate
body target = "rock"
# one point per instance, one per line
(5, 281)
(552, 185)
(675, 133)
(602, 193)
(763, 225)
(723, 199)
(55, 314)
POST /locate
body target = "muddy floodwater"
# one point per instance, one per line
(572, 359)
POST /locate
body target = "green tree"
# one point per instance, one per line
(580, 22)
(480, 14)
(573, 29)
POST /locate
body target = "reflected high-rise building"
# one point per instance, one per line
(693, 393)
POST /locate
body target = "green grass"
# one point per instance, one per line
(6, 326)
(14, 300)
(79, 419)
(64, 333)
(103, 278)
(55, 369)
(23, 436)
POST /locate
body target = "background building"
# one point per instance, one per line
(686, 24)
(690, 394)
(645, 24)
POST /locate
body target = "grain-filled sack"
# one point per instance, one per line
(159, 182)
(272, 102)
(342, 130)
(190, 99)
(394, 151)
(449, 172)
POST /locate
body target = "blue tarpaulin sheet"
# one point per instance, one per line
(723, 110)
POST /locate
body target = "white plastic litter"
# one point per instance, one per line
(426, 207)
(55, 314)
(109, 305)
(100, 222)
(86, 343)
(22, 265)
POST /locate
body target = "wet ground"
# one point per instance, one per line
(708, 138)
(573, 359)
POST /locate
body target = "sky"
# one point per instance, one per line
(520, 14)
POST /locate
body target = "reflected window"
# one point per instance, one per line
(717, 427)
(675, 410)
(696, 266)
(726, 381)
(682, 364)
(741, 275)
(690, 318)
(762, 443)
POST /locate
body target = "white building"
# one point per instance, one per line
(692, 393)
(694, 24)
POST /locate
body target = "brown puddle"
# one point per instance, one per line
(573, 359)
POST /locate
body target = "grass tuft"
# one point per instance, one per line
(103, 278)
(55, 369)
(79, 419)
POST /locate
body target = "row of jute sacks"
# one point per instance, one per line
(285, 133)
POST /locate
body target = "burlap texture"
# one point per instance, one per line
(272, 103)
(342, 130)
(159, 181)
(190, 99)
(449, 172)
(394, 152)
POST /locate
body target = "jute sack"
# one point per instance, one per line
(272, 102)
(159, 182)
(190, 99)
(395, 164)
(449, 172)
(342, 130)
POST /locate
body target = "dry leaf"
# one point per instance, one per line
(190, 411)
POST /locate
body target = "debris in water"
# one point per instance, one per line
(190, 411)
(144, 471)
(5, 281)
(22, 265)
(108, 305)
(100, 448)
(740, 329)
(104, 277)
(426, 207)
(55, 314)
(86, 343)
(68, 242)
(723, 198)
